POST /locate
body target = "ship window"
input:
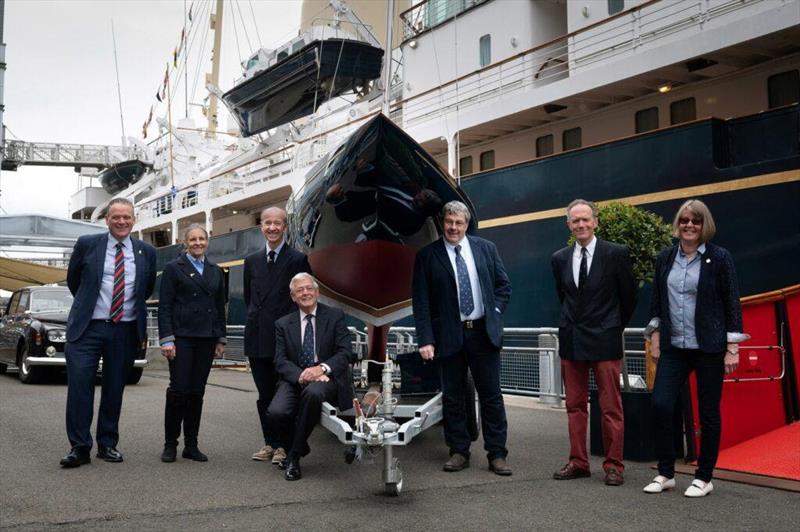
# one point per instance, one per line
(682, 111)
(283, 54)
(784, 88)
(485, 50)
(487, 160)
(571, 139)
(544, 145)
(465, 165)
(647, 119)
(298, 45)
(615, 6)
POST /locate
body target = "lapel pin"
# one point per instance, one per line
(191, 275)
(708, 261)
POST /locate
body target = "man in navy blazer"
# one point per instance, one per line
(267, 273)
(460, 291)
(111, 276)
(312, 358)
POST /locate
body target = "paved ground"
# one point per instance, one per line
(233, 492)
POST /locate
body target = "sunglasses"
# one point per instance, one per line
(695, 221)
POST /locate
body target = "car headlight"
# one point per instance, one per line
(50, 351)
(57, 335)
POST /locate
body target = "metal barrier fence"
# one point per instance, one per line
(529, 358)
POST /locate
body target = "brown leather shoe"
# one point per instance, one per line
(457, 462)
(500, 467)
(571, 471)
(614, 477)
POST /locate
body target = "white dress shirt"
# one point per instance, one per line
(102, 309)
(475, 283)
(576, 259)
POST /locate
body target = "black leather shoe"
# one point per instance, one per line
(193, 453)
(292, 471)
(77, 457)
(109, 454)
(169, 454)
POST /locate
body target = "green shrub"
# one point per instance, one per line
(644, 234)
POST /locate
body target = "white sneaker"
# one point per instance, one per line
(659, 484)
(699, 489)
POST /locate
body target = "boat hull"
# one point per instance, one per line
(118, 177)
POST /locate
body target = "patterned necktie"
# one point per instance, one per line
(583, 272)
(118, 293)
(307, 353)
(465, 301)
(271, 257)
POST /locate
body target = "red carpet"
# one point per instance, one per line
(774, 454)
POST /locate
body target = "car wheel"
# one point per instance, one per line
(134, 375)
(3, 368)
(472, 407)
(27, 374)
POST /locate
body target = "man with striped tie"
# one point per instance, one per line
(111, 276)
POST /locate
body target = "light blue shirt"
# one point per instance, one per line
(475, 283)
(682, 283)
(102, 309)
(197, 263)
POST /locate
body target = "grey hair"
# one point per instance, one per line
(191, 228)
(580, 201)
(299, 277)
(456, 207)
(119, 201)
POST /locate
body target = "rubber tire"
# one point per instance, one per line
(3, 369)
(134, 375)
(32, 375)
(472, 408)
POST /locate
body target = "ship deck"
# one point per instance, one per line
(235, 492)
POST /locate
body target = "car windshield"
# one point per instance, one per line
(51, 301)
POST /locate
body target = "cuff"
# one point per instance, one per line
(222, 340)
(652, 327)
(737, 337)
(168, 341)
(326, 368)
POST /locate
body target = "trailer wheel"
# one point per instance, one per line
(394, 488)
(473, 409)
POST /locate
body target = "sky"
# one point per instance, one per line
(61, 85)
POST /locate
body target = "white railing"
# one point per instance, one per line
(588, 48)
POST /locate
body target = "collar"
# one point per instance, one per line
(452, 247)
(314, 312)
(701, 249)
(201, 260)
(126, 242)
(277, 250)
(589, 248)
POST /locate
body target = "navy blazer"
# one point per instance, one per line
(592, 320)
(190, 304)
(435, 295)
(718, 310)
(85, 275)
(266, 296)
(333, 346)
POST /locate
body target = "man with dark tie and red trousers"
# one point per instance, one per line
(312, 358)
(111, 275)
(597, 290)
(267, 273)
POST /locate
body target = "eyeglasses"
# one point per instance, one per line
(695, 221)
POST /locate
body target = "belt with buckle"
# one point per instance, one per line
(473, 324)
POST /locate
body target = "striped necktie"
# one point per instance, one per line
(118, 294)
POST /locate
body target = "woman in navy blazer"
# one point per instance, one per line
(696, 324)
(191, 330)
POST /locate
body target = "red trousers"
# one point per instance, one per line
(576, 381)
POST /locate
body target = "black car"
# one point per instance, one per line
(33, 333)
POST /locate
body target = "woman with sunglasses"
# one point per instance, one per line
(191, 327)
(696, 324)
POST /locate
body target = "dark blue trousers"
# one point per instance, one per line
(674, 367)
(483, 360)
(266, 380)
(117, 345)
(188, 371)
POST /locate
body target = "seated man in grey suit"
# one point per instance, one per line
(312, 358)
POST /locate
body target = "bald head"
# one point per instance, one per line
(273, 225)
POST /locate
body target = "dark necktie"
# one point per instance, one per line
(583, 272)
(307, 353)
(465, 302)
(271, 257)
(118, 293)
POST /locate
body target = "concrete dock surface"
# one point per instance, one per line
(233, 492)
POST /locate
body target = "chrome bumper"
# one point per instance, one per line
(61, 361)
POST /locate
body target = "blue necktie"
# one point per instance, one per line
(464, 287)
(307, 353)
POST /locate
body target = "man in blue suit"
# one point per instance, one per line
(460, 291)
(111, 275)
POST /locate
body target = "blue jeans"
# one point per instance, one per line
(674, 367)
